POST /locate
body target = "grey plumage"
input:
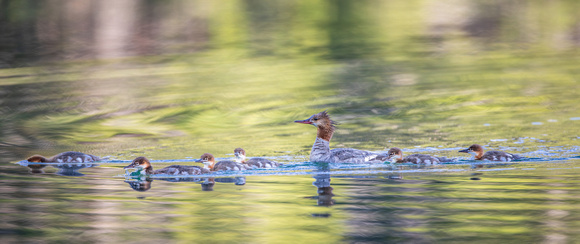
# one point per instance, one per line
(182, 170)
(228, 165)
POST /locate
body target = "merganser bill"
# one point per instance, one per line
(169, 170)
(477, 152)
(209, 161)
(396, 156)
(321, 149)
(65, 157)
(253, 163)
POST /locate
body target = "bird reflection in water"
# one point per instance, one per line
(67, 163)
(322, 184)
(143, 183)
(140, 185)
(64, 169)
(36, 168)
(72, 169)
(207, 184)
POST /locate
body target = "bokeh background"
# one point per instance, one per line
(110, 76)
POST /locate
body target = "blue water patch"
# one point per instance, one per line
(295, 165)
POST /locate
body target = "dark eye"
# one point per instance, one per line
(315, 119)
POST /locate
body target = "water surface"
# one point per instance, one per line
(173, 80)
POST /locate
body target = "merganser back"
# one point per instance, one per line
(321, 149)
(169, 170)
(396, 156)
(253, 162)
(65, 157)
(477, 152)
(209, 161)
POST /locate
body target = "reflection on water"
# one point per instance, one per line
(322, 184)
(171, 80)
(518, 202)
(207, 183)
(64, 169)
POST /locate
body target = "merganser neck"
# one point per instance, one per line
(399, 159)
(325, 132)
(210, 165)
(320, 151)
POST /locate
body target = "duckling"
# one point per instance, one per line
(253, 162)
(209, 161)
(396, 156)
(65, 157)
(477, 152)
(169, 170)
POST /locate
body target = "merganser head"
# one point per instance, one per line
(395, 154)
(36, 159)
(240, 154)
(323, 122)
(141, 162)
(475, 150)
(208, 160)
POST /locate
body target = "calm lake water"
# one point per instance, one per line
(171, 80)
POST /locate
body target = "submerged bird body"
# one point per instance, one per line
(477, 152)
(169, 170)
(65, 157)
(253, 163)
(321, 148)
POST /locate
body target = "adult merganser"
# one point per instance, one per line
(209, 161)
(65, 157)
(477, 152)
(169, 170)
(396, 156)
(253, 162)
(321, 149)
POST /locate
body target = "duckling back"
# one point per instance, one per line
(229, 165)
(499, 156)
(421, 159)
(182, 170)
(73, 157)
(261, 163)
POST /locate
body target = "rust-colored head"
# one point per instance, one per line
(323, 122)
(208, 160)
(141, 162)
(36, 159)
(475, 150)
(395, 154)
